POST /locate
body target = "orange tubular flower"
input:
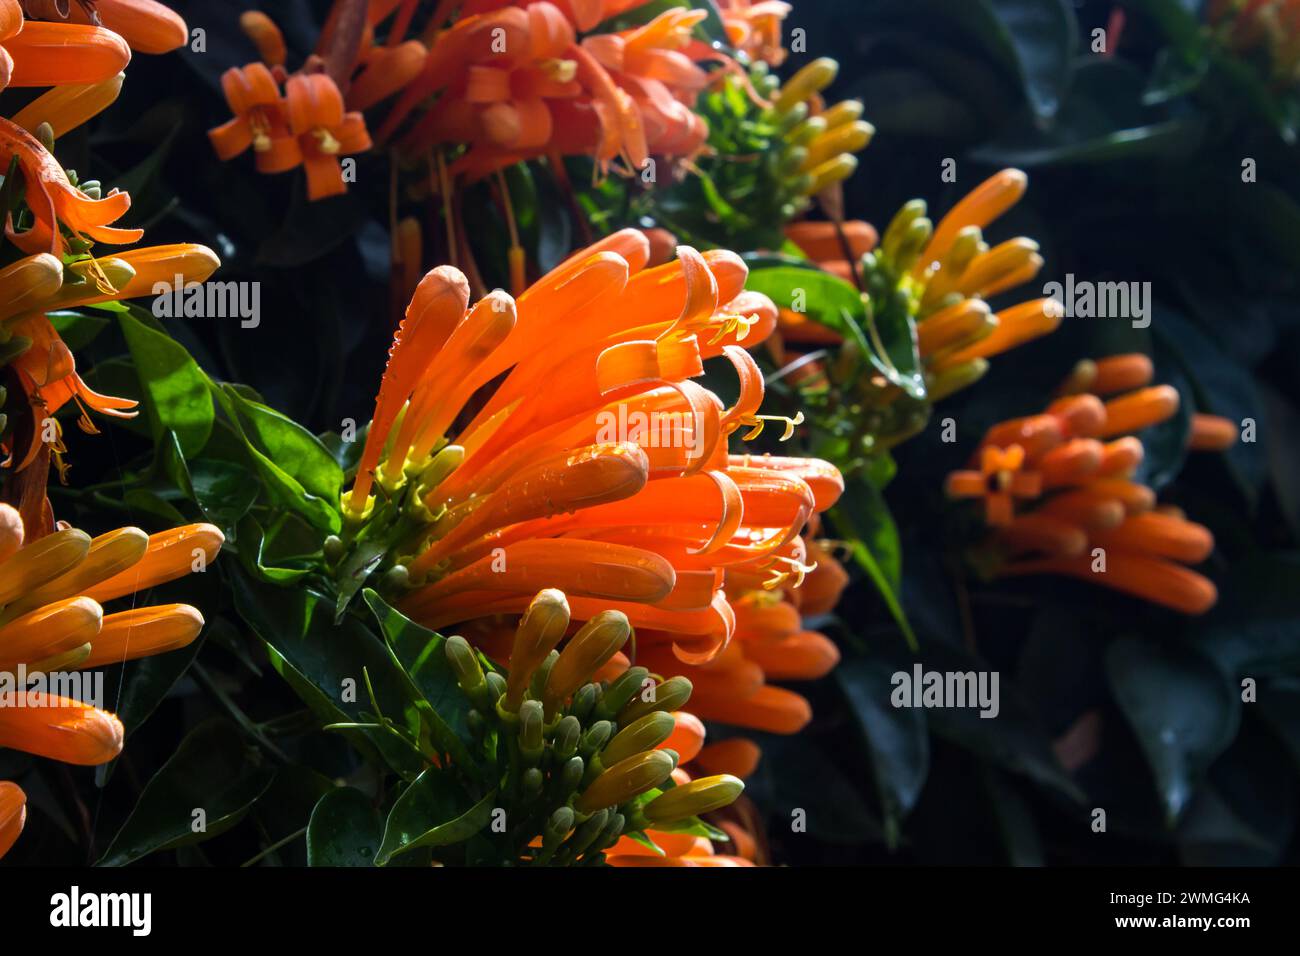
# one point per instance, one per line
(146, 25)
(324, 131)
(541, 92)
(755, 27)
(51, 54)
(39, 284)
(49, 621)
(1088, 518)
(597, 466)
(307, 125)
(827, 245)
(54, 202)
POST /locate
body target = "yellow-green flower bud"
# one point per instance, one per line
(910, 212)
(646, 733)
(532, 783)
(813, 78)
(670, 695)
(620, 690)
(557, 827)
(568, 733)
(692, 799)
(538, 683)
(832, 171)
(570, 776)
(595, 738)
(807, 131)
(595, 643)
(613, 830)
(954, 379)
(464, 664)
(585, 701)
(626, 779)
(542, 627)
(443, 464)
(586, 834)
(531, 740)
(914, 241)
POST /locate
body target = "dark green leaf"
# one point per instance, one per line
(345, 830)
(213, 771)
(176, 396)
(1182, 709)
(433, 811)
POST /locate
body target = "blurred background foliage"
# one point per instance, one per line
(1135, 153)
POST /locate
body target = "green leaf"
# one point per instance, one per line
(1256, 624)
(327, 664)
(897, 740)
(433, 811)
(419, 656)
(826, 299)
(252, 545)
(282, 487)
(1183, 710)
(175, 389)
(863, 520)
(1178, 20)
(213, 771)
(1102, 121)
(76, 328)
(344, 830)
(296, 450)
(1039, 37)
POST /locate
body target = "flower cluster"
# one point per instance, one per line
(292, 120)
(1061, 497)
(927, 283)
(584, 749)
(597, 466)
(507, 82)
(52, 589)
(58, 217)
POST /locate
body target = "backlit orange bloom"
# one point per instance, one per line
(513, 82)
(1088, 518)
(146, 25)
(50, 54)
(306, 127)
(261, 120)
(1000, 480)
(49, 622)
(597, 466)
(324, 131)
(55, 204)
(754, 26)
(39, 284)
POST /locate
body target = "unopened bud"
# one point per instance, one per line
(598, 640)
(585, 701)
(692, 799)
(671, 695)
(540, 629)
(645, 733)
(626, 779)
(568, 733)
(595, 738)
(531, 740)
(622, 689)
(557, 827)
